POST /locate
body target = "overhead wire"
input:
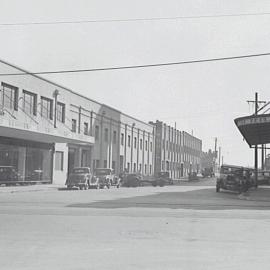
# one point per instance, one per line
(136, 19)
(139, 66)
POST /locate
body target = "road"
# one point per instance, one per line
(188, 226)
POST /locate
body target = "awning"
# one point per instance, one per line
(254, 128)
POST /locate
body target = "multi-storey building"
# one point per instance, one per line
(176, 151)
(47, 129)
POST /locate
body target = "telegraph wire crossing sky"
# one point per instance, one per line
(205, 97)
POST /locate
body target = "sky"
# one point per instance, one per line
(202, 98)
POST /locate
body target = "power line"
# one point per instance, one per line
(136, 19)
(138, 66)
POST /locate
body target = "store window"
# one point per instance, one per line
(9, 96)
(59, 160)
(46, 108)
(29, 102)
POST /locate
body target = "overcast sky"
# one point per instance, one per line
(203, 98)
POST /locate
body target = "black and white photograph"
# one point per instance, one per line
(134, 135)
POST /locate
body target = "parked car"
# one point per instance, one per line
(162, 179)
(192, 176)
(208, 172)
(79, 177)
(106, 177)
(9, 175)
(132, 180)
(234, 178)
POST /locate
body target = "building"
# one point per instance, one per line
(47, 129)
(208, 159)
(176, 151)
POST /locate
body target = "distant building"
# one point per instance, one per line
(208, 159)
(176, 151)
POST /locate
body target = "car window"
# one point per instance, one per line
(80, 170)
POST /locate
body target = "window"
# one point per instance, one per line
(135, 142)
(59, 160)
(141, 144)
(140, 167)
(105, 163)
(46, 108)
(128, 166)
(60, 112)
(96, 133)
(9, 96)
(145, 168)
(73, 125)
(134, 167)
(122, 138)
(29, 102)
(150, 169)
(85, 128)
(106, 134)
(151, 146)
(146, 145)
(97, 163)
(113, 164)
(128, 140)
(114, 136)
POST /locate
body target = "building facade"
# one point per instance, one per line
(47, 129)
(176, 151)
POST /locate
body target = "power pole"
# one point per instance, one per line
(219, 156)
(256, 146)
(215, 155)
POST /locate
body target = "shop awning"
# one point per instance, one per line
(254, 128)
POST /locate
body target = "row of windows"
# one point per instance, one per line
(10, 100)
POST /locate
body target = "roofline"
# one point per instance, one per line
(70, 90)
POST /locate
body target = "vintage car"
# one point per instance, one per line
(162, 179)
(234, 178)
(106, 177)
(79, 177)
(9, 175)
(132, 180)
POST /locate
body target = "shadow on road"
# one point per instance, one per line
(204, 199)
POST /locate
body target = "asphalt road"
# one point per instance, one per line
(188, 226)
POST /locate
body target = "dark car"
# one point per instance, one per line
(79, 177)
(162, 179)
(9, 175)
(132, 180)
(234, 178)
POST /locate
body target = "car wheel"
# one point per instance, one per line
(154, 184)
(80, 187)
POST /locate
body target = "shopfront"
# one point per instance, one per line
(30, 161)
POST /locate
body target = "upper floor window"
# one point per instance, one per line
(141, 144)
(151, 146)
(96, 132)
(9, 96)
(114, 136)
(60, 112)
(146, 145)
(128, 140)
(46, 108)
(73, 125)
(29, 102)
(135, 142)
(122, 138)
(85, 128)
(106, 135)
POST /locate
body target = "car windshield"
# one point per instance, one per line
(6, 169)
(102, 171)
(80, 170)
(230, 170)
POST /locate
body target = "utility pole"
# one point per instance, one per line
(219, 156)
(215, 155)
(256, 146)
